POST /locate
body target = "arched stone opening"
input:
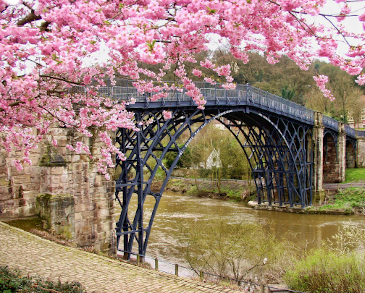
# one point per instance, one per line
(350, 153)
(331, 165)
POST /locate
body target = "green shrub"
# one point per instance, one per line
(347, 199)
(324, 270)
(354, 196)
(241, 251)
(12, 281)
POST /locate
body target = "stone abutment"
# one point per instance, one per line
(62, 187)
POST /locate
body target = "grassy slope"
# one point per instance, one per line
(355, 175)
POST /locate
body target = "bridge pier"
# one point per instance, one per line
(330, 154)
(341, 146)
(360, 152)
(334, 159)
(318, 134)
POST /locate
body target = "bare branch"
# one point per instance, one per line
(336, 28)
(13, 105)
(29, 18)
(61, 79)
(44, 26)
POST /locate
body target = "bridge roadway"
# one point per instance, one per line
(36, 256)
(216, 95)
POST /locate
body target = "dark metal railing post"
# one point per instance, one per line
(156, 264)
(215, 94)
(226, 94)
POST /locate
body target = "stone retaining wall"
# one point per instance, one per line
(57, 171)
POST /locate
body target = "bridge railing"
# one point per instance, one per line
(215, 92)
(331, 123)
(282, 105)
(350, 131)
(360, 133)
(242, 94)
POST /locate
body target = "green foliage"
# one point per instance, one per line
(239, 251)
(346, 91)
(353, 196)
(210, 138)
(160, 174)
(337, 267)
(12, 281)
(349, 239)
(324, 270)
(185, 161)
(298, 84)
(355, 175)
(347, 199)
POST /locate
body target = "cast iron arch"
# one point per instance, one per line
(279, 156)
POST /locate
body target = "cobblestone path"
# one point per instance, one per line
(34, 255)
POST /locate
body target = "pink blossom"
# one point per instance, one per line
(197, 72)
(207, 64)
(362, 17)
(224, 70)
(361, 79)
(229, 86)
(126, 36)
(210, 80)
(321, 81)
(167, 114)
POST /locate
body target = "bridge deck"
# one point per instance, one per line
(217, 96)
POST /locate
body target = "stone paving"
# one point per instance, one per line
(34, 255)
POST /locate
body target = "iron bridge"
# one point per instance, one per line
(275, 135)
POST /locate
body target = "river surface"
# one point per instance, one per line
(176, 210)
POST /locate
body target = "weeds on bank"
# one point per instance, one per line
(237, 194)
(347, 200)
(324, 270)
(12, 281)
(243, 251)
(339, 266)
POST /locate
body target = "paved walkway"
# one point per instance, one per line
(34, 255)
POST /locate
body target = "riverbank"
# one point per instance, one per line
(307, 210)
(337, 199)
(237, 190)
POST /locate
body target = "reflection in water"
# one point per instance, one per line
(177, 210)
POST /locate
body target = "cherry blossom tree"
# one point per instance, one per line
(46, 47)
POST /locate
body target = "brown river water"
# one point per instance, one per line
(176, 210)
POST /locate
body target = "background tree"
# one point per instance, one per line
(345, 90)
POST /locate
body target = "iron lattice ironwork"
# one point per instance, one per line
(275, 135)
(278, 149)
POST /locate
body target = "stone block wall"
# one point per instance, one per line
(331, 165)
(58, 171)
(360, 152)
(57, 212)
(350, 156)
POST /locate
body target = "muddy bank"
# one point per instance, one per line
(299, 210)
(238, 190)
(245, 191)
